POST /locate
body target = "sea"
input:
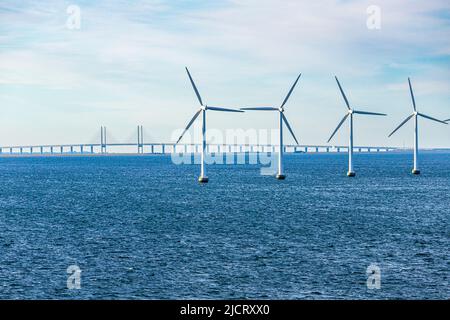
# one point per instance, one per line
(142, 227)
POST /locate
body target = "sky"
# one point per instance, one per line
(124, 66)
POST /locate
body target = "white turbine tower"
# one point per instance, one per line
(280, 175)
(350, 113)
(416, 115)
(203, 108)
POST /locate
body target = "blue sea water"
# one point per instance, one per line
(140, 227)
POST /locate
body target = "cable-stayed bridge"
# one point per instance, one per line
(140, 147)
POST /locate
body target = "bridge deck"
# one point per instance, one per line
(167, 148)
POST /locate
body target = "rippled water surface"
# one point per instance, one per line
(143, 228)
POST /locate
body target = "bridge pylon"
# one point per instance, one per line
(140, 139)
(103, 139)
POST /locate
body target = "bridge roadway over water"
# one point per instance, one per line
(168, 148)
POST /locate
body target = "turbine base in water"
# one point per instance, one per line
(415, 171)
(202, 179)
(351, 174)
(280, 176)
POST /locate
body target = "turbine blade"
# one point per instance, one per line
(343, 94)
(412, 94)
(260, 108)
(289, 127)
(370, 113)
(401, 124)
(189, 125)
(431, 118)
(447, 120)
(339, 125)
(222, 109)
(195, 88)
(290, 91)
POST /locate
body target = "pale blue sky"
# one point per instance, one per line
(125, 66)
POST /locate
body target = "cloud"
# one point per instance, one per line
(424, 87)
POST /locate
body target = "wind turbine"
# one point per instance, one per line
(280, 175)
(350, 113)
(415, 115)
(203, 108)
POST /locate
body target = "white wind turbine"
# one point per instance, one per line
(203, 108)
(280, 175)
(416, 115)
(350, 113)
